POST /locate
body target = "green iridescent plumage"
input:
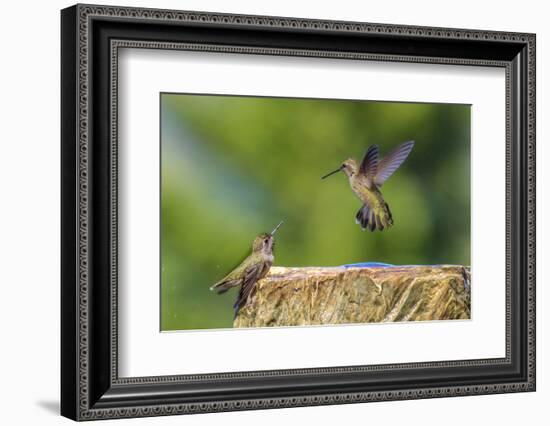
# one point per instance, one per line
(251, 270)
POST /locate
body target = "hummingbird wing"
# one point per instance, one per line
(369, 163)
(232, 279)
(391, 162)
(252, 275)
(224, 285)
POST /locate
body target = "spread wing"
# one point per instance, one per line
(391, 162)
(369, 164)
(252, 275)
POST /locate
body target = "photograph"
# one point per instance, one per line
(280, 212)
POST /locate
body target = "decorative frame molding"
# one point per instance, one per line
(91, 37)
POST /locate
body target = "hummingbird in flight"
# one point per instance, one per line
(251, 270)
(366, 179)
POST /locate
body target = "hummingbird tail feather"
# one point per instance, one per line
(245, 293)
(368, 219)
(389, 215)
(362, 217)
(239, 303)
(236, 307)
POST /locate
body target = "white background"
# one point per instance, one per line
(29, 225)
(146, 352)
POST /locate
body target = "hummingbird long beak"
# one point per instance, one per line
(277, 227)
(339, 169)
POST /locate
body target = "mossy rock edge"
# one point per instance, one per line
(351, 295)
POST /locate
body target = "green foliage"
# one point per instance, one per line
(233, 167)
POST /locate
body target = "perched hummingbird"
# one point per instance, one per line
(367, 178)
(251, 270)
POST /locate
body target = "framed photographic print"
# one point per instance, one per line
(263, 212)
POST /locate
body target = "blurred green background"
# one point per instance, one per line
(233, 167)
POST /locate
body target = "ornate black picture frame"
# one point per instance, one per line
(91, 36)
